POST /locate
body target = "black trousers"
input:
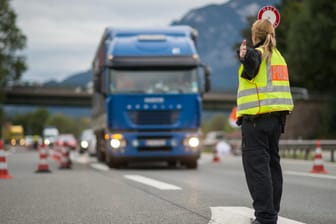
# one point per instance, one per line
(261, 161)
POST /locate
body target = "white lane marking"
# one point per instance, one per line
(324, 176)
(82, 158)
(239, 215)
(151, 182)
(205, 158)
(99, 166)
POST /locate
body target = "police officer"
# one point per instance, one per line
(263, 102)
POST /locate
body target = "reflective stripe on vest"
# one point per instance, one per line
(269, 91)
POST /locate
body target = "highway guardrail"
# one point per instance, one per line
(299, 148)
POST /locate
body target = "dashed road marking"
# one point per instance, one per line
(151, 182)
(239, 215)
(99, 166)
(324, 176)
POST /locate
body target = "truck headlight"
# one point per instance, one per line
(46, 141)
(117, 141)
(13, 141)
(84, 144)
(192, 142)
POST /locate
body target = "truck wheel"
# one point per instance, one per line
(172, 164)
(99, 148)
(112, 163)
(100, 156)
(191, 164)
(108, 160)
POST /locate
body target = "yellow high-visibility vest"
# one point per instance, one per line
(268, 91)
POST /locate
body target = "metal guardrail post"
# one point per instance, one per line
(306, 155)
(332, 155)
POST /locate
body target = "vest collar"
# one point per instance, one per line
(260, 43)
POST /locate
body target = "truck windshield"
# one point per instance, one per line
(154, 81)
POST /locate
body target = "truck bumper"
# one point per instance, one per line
(156, 158)
(159, 146)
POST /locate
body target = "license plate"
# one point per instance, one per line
(156, 142)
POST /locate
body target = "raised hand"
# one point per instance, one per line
(242, 49)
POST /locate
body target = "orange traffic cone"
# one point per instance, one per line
(318, 166)
(3, 164)
(65, 162)
(216, 157)
(43, 166)
(56, 153)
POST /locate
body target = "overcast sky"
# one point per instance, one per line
(62, 35)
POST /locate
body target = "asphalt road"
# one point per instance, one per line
(152, 193)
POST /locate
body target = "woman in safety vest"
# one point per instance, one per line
(263, 102)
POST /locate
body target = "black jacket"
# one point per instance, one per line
(251, 62)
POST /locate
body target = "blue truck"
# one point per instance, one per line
(147, 99)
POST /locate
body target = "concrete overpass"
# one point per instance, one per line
(81, 97)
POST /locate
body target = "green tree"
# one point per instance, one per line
(289, 10)
(218, 122)
(12, 41)
(2, 121)
(32, 122)
(312, 46)
(67, 124)
(19, 119)
(311, 49)
(328, 126)
(37, 120)
(63, 123)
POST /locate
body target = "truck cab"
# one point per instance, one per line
(147, 101)
(49, 135)
(16, 135)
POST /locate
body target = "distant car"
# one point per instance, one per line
(68, 140)
(33, 141)
(213, 137)
(49, 135)
(223, 147)
(88, 142)
(29, 141)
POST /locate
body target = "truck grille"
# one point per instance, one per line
(158, 117)
(155, 149)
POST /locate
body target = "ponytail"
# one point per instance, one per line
(268, 46)
(263, 30)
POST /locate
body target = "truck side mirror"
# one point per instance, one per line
(207, 73)
(97, 83)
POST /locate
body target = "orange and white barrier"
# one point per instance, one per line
(4, 174)
(216, 157)
(56, 153)
(43, 166)
(318, 166)
(65, 162)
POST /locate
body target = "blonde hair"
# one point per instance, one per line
(264, 30)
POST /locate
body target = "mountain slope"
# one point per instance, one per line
(219, 27)
(78, 79)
